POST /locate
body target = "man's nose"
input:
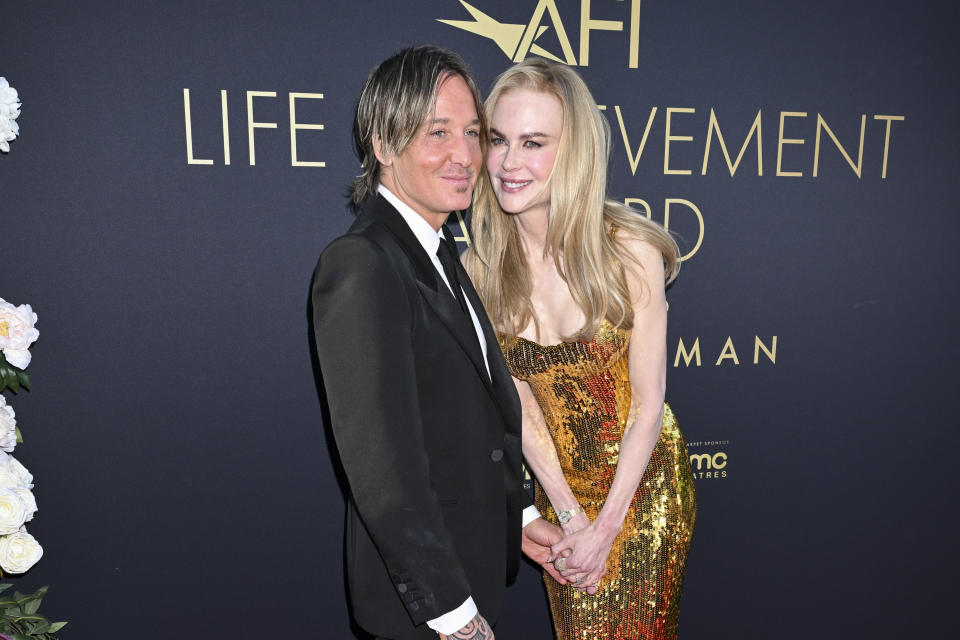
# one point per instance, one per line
(462, 151)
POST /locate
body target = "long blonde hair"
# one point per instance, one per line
(586, 254)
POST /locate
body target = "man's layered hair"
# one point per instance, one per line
(397, 98)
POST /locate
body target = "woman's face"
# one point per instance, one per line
(524, 138)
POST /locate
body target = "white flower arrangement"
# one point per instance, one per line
(9, 111)
(18, 550)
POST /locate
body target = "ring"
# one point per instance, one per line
(558, 563)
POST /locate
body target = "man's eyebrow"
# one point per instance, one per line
(434, 121)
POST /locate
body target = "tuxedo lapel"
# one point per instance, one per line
(434, 290)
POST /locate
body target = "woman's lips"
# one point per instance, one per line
(512, 186)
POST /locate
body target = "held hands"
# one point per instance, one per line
(538, 537)
(581, 556)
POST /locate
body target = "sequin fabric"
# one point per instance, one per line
(583, 389)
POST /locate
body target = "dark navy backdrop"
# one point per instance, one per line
(182, 470)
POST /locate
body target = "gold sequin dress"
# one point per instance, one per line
(583, 389)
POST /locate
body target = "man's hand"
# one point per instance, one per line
(538, 537)
(476, 629)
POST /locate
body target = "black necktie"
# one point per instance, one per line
(448, 260)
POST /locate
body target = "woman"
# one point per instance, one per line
(574, 283)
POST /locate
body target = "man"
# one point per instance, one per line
(423, 411)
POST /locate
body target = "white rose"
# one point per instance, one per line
(14, 475)
(9, 101)
(8, 426)
(29, 502)
(13, 513)
(17, 333)
(6, 134)
(19, 551)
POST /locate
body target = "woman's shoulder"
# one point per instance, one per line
(635, 244)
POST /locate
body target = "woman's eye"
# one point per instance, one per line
(496, 141)
(530, 144)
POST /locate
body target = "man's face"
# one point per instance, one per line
(435, 174)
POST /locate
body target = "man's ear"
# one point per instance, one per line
(385, 159)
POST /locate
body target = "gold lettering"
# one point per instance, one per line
(646, 207)
(719, 460)
(668, 138)
(771, 353)
(463, 228)
(588, 24)
(188, 127)
(251, 125)
(534, 30)
(821, 123)
(886, 140)
(634, 159)
(782, 141)
(687, 356)
(696, 211)
(295, 126)
(728, 352)
(715, 126)
(700, 458)
(634, 34)
(226, 126)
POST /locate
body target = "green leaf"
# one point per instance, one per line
(24, 380)
(19, 435)
(32, 606)
(10, 377)
(40, 626)
(4, 586)
(56, 626)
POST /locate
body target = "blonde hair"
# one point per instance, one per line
(582, 217)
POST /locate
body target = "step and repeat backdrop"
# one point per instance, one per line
(181, 165)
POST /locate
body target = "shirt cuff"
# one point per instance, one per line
(450, 623)
(530, 514)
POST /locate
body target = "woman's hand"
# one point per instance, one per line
(576, 523)
(588, 549)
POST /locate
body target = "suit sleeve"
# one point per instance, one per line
(362, 324)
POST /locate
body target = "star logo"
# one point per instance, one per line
(518, 40)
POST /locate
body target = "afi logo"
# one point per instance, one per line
(519, 40)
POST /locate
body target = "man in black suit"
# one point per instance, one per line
(423, 411)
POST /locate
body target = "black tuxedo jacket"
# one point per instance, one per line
(430, 444)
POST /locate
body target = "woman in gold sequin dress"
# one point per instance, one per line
(574, 282)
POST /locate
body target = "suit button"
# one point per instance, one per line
(402, 588)
(414, 606)
(496, 455)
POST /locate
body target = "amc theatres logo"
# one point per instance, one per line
(519, 40)
(709, 465)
